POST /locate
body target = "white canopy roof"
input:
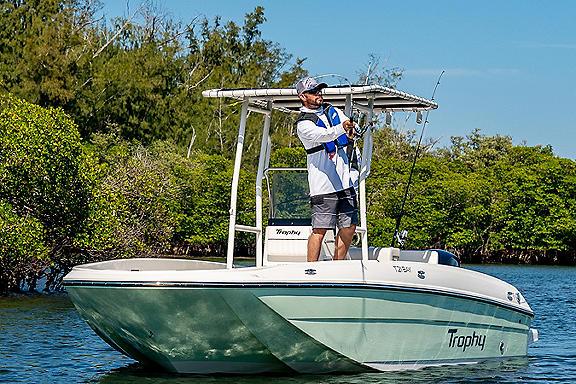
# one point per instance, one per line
(286, 99)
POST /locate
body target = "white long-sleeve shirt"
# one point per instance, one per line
(327, 173)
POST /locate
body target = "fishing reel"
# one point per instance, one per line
(360, 131)
(401, 237)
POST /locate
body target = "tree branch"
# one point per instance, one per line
(118, 32)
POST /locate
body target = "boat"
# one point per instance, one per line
(383, 308)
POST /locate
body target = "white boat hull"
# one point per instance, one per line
(249, 320)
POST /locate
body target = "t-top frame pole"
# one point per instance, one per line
(262, 164)
(235, 181)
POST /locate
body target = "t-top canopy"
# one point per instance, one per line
(286, 99)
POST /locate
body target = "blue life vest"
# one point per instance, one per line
(333, 119)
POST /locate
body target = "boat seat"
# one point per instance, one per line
(428, 256)
(375, 253)
(387, 254)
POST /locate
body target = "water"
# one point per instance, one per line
(43, 340)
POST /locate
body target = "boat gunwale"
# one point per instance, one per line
(297, 285)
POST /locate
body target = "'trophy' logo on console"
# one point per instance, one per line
(286, 232)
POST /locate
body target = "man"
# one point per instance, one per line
(323, 131)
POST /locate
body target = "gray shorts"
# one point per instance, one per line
(335, 209)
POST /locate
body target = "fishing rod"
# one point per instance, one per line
(401, 236)
(343, 81)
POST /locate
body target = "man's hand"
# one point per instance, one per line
(348, 126)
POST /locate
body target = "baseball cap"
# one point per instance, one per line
(308, 84)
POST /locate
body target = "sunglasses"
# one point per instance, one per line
(314, 92)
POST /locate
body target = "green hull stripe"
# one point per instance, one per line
(412, 321)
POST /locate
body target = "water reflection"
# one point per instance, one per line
(490, 372)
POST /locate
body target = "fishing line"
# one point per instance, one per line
(397, 236)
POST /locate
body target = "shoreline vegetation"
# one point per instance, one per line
(108, 150)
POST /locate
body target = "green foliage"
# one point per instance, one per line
(40, 157)
(288, 157)
(141, 77)
(23, 255)
(45, 48)
(152, 200)
(40, 154)
(483, 198)
(536, 207)
(389, 142)
(238, 57)
(134, 203)
(477, 151)
(206, 191)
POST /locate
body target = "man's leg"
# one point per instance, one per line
(343, 241)
(315, 243)
(323, 217)
(347, 221)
